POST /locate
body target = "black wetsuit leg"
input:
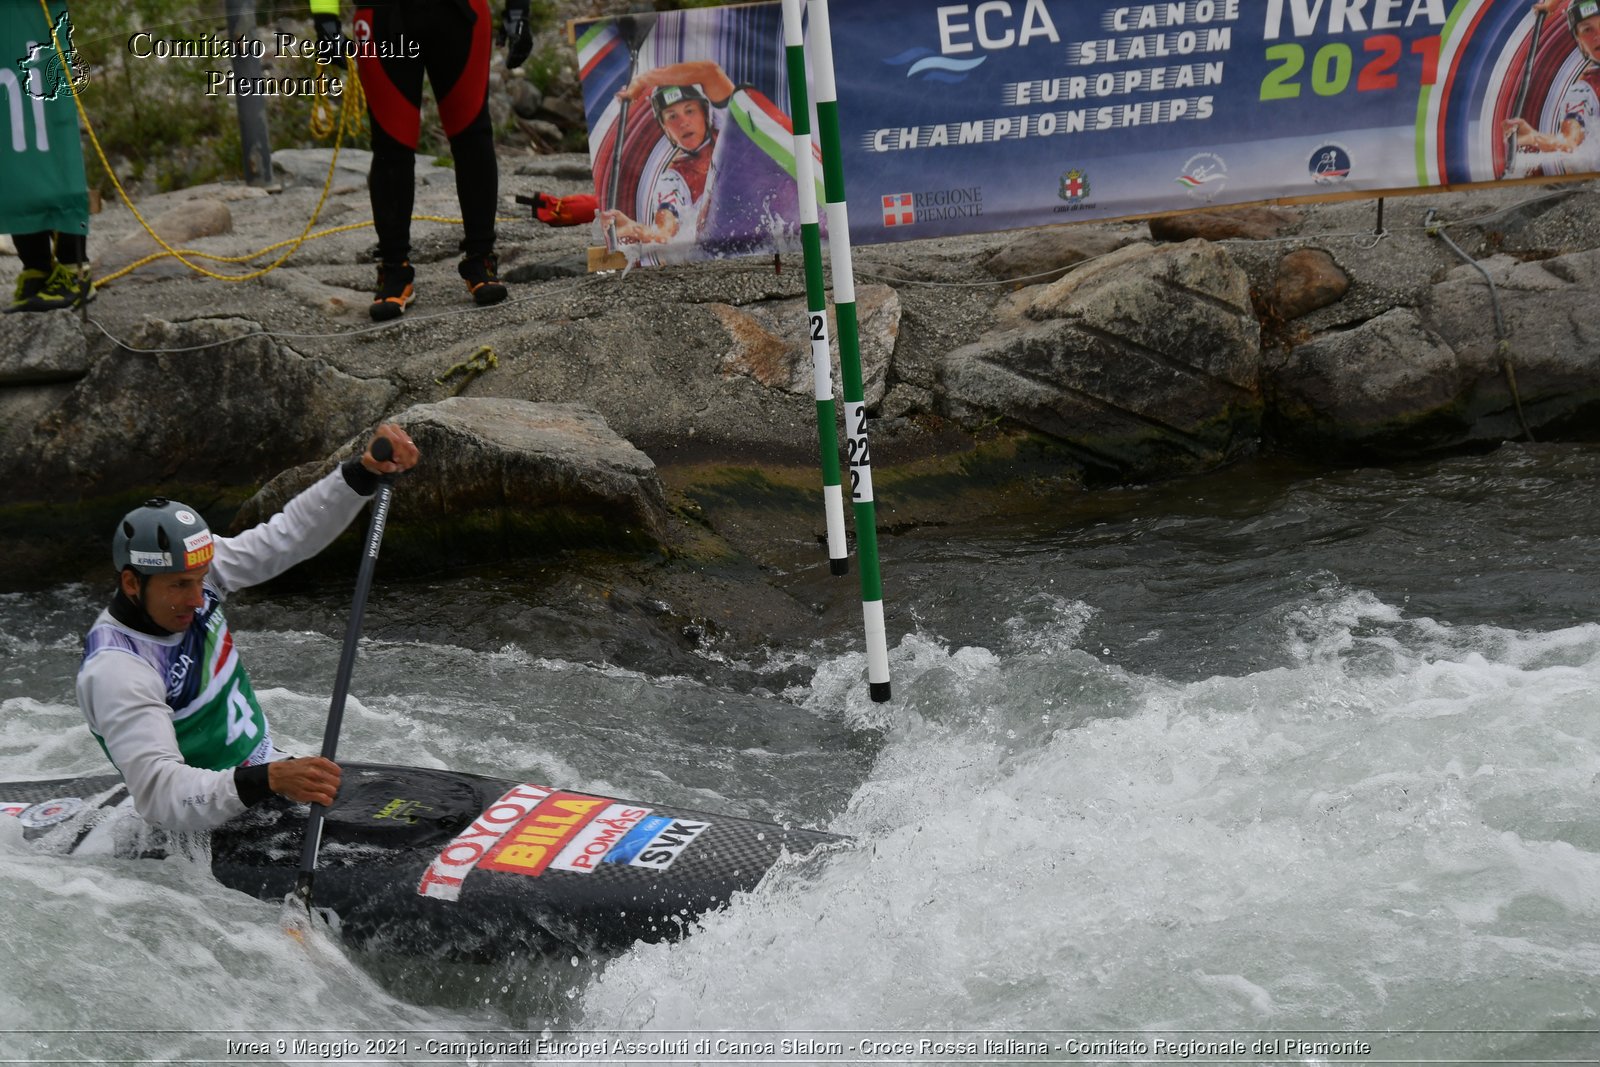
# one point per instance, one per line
(393, 87)
(452, 40)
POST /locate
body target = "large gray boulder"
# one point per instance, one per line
(1455, 373)
(42, 347)
(219, 402)
(506, 478)
(1389, 387)
(1551, 322)
(1146, 362)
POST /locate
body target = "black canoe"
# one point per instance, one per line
(442, 863)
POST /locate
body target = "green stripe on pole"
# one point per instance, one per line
(816, 293)
(844, 304)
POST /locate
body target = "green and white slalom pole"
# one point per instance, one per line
(844, 306)
(816, 293)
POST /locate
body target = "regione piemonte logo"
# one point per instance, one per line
(898, 209)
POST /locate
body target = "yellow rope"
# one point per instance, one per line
(83, 116)
(321, 123)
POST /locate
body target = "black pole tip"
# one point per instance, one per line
(382, 450)
(839, 566)
(879, 691)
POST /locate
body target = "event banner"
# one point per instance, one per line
(42, 184)
(997, 114)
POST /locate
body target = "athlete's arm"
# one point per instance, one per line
(1567, 139)
(310, 522)
(124, 701)
(702, 72)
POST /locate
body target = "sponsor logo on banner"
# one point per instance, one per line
(590, 847)
(536, 840)
(1330, 164)
(1204, 176)
(442, 880)
(1074, 185)
(669, 844)
(932, 205)
(897, 210)
(50, 812)
(1074, 190)
(13, 807)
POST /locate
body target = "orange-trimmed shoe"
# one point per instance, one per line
(394, 293)
(483, 280)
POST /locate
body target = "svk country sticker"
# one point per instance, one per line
(1204, 176)
(13, 807)
(442, 880)
(1330, 164)
(669, 844)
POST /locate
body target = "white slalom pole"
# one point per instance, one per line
(816, 294)
(844, 305)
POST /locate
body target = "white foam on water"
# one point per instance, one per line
(1390, 834)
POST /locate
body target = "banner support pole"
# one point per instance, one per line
(844, 306)
(816, 292)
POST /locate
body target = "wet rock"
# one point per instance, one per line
(1307, 279)
(769, 342)
(1146, 362)
(217, 401)
(507, 478)
(1551, 322)
(1390, 387)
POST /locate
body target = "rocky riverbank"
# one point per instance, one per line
(633, 413)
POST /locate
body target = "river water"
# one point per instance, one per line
(1271, 755)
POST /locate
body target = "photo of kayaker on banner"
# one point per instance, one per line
(706, 165)
(1554, 128)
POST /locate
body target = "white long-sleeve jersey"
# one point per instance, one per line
(176, 714)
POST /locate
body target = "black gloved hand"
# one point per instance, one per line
(331, 41)
(516, 34)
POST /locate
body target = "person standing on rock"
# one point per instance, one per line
(449, 41)
(1575, 145)
(161, 683)
(44, 200)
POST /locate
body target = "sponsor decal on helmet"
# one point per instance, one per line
(150, 559)
(198, 556)
(185, 517)
(13, 807)
(50, 812)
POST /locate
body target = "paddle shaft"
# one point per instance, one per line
(1522, 91)
(628, 29)
(381, 451)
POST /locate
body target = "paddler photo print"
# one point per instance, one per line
(692, 155)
